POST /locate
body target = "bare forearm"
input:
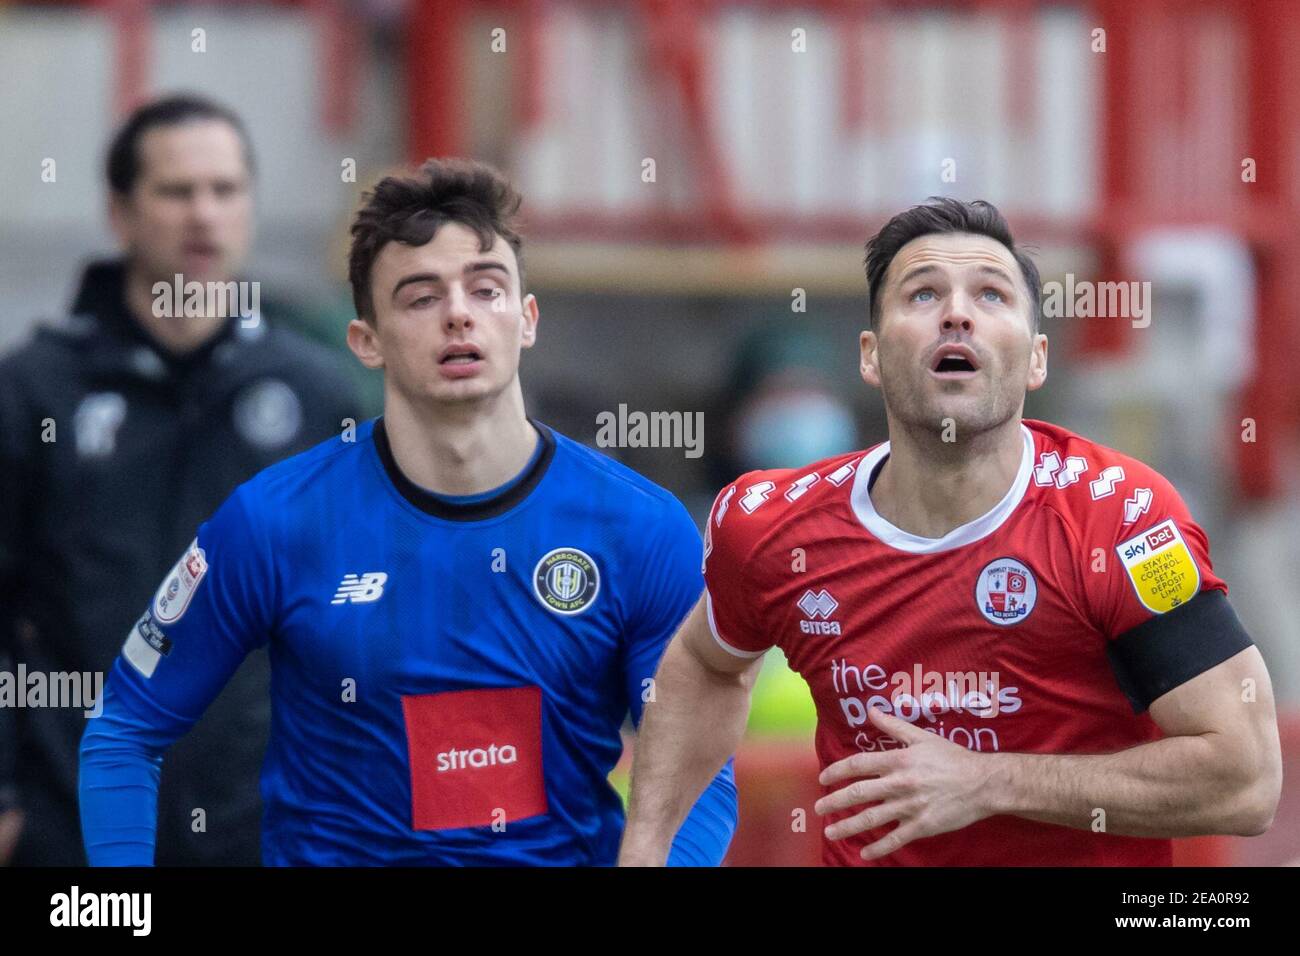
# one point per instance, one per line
(1177, 786)
(690, 728)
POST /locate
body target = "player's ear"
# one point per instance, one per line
(870, 371)
(1037, 363)
(364, 343)
(531, 316)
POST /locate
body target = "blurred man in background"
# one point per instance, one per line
(121, 429)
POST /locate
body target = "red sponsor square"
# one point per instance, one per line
(475, 755)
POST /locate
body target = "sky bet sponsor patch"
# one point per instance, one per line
(1161, 567)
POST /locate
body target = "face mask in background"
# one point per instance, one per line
(788, 429)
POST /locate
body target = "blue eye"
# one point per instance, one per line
(916, 296)
(998, 295)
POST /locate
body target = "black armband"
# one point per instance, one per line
(1170, 649)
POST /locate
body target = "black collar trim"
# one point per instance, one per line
(478, 510)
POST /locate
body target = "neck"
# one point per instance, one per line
(928, 487)
(461, 449)
(178, 334)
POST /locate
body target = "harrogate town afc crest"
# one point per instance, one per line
(566, 580)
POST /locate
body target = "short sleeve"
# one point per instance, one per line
(1152, 591)
(728, 593)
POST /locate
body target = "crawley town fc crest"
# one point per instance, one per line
(566, 580)
(1006, 591)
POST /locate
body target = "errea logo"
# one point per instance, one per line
(360, 589)
(818, 604)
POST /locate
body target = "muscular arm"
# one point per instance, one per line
(1218, 770)
(694, 723)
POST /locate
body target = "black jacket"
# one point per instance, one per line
(145, 448)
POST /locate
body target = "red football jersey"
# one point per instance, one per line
(994, 636)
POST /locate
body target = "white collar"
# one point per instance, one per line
(981, 527)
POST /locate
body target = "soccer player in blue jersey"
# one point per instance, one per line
(461, 606)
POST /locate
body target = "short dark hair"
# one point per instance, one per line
(411, 210)
(941, 214)
(123, 165)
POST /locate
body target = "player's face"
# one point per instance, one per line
(191, 210)
(955, 339)
(449, 320)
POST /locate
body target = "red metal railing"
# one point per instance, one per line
(1148, 87)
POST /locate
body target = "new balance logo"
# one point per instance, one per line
(818, 604)
(1050, 472)
(1137, 506)
(360, 589)
(1105, 484)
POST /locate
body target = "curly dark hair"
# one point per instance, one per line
(411, 210)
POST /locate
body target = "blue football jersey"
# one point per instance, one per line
(449, 676)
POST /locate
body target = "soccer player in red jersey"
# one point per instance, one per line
(1018, 648)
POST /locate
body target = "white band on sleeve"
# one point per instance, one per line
(713, 629)
(140, 655)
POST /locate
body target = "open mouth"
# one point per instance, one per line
(954, 361)
(458, 357)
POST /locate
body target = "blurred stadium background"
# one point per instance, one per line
(1165, 149)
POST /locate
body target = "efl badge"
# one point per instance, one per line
(178, 587)
(1005, 591)
(566, 580)
(1161, 567)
